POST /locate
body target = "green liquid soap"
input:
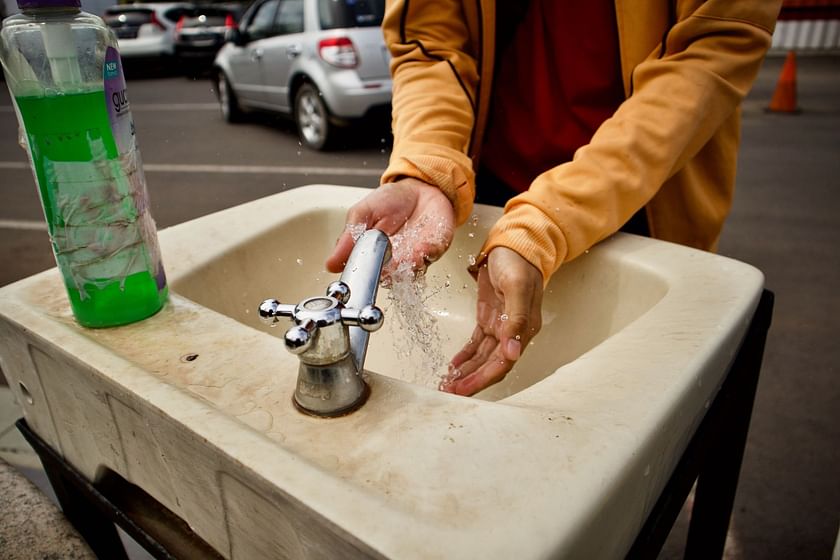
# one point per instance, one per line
(95, 203)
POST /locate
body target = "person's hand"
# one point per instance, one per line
(419, 214)
(510, 291)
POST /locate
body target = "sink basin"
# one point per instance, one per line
(568, 453)
(594, 298)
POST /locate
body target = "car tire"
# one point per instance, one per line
(313, 119)
(231, 111)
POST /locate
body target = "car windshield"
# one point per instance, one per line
(335, 14)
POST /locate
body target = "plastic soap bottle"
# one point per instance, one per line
(64, 72)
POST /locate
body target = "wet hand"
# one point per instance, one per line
(510, 291)
(416, 210)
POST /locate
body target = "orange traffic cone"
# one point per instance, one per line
(784, 98)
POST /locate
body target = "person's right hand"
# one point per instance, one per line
(419, 211)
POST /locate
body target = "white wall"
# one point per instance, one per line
(807, 35)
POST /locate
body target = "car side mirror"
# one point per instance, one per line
(237, 36)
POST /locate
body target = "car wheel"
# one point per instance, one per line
(231, 111)
(312, 118)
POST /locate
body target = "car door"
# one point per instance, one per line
(281, 52)
(246, 60)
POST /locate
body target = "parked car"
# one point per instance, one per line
(200, 33)
(146, 31)
(323, 62)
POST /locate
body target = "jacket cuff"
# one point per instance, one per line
(528, 231)
(440, 172)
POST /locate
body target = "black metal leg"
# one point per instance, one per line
(718, 477)
(94, 525)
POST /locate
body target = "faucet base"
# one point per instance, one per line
(330, 390)
(344, 411)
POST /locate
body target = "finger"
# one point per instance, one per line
(523, 321)
(341, 252)
(493, 371)
(469, 349)
(522, 313)
(482, 355)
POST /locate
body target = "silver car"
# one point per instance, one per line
(323, 62)
(145, 31)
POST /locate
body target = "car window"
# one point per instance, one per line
(335, 14)
(261, 24)
(174, 14)
(289, 17)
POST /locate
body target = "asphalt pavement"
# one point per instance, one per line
(784, 221)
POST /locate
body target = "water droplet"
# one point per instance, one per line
(504, 317)
(517, 337)
(447, 284)
(471, 260)
(299, 261)
(471, 234)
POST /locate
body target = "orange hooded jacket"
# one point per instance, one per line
(671, 146)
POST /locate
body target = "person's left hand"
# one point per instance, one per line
(510, 291)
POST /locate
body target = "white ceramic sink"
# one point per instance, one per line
(564, 458)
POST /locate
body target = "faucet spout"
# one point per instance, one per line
(361, 274)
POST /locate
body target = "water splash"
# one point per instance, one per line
(413, 325)
(415, 330)
(356, 230)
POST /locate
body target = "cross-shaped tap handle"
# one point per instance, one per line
(318, 312)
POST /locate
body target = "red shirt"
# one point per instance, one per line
(559, 79)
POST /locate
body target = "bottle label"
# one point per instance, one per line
(119, 109)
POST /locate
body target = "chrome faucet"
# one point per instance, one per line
(331, 332)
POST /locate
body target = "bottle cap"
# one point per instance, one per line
(29, 4)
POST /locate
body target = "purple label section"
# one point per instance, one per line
(119, 113)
